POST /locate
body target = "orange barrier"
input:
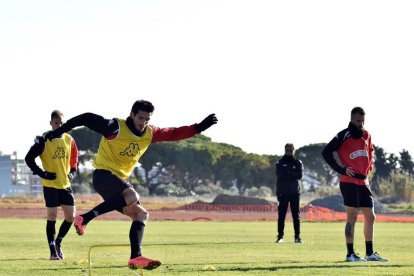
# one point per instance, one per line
(228, 207)
(308, 213)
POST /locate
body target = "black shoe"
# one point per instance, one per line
(298, 240)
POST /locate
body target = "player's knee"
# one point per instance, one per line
(136, 212)
(70, 219)
(144, 216)
(371, 218)
(352, 217)
(52, 218)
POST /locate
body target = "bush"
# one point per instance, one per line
(398, 185)
(403, 186)
(82, 188)
(324, 191)
(208, 189)
(386, 188)
(141, 190)
(169, 190)
(263, 192)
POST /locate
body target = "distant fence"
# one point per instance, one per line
(217, 212)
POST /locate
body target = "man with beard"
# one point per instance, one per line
(288, 172)
(355, 152)
(123, 143)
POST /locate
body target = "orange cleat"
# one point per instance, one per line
(79, 226)
(142, 262)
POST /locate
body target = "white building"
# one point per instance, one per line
(16, 178)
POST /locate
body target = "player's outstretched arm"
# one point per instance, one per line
(184, 132)
(90, 120)
(206, 123)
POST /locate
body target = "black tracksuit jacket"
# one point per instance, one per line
(288, 171)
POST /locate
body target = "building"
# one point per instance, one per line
(16, 179)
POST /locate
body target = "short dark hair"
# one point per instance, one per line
(56, 114)
(142, 105)
(357, 110)
(290, 145)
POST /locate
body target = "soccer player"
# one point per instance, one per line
(355, 152)
(124, 141)
(59, 161)
(289, 172)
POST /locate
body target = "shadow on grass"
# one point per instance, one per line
(185, 267)
(268, 268)
(24, 259)
(57, 269)
(204, 243)
(285, 267)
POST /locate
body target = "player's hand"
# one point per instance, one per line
(71, 174)
(47, 175)
(350, 171)
(206, 123)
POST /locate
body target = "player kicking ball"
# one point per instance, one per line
(123, 143)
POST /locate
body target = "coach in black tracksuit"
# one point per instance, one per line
(289, 172)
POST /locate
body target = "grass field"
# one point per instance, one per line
(186, 248)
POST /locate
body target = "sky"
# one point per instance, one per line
(272, 71)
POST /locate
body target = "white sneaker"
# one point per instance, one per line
(375, 257)
(279, 240)
(354, 258)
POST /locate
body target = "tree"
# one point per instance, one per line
(384, 164)
(406, 163)
(315, 167)
(155, 162)
(193, 164)
(251, 170)
(187, 162)
(224, 169)
(268, 177)
(86, 139)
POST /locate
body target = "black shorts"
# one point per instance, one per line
(356, 195)
(56, 197)
(108, 184)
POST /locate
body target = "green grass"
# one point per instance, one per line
(185, 248)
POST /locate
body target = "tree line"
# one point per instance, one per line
(198, 163)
